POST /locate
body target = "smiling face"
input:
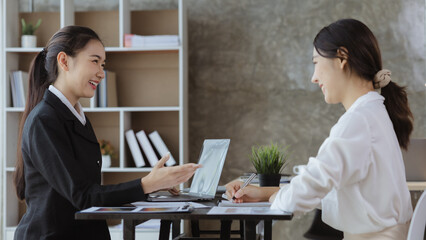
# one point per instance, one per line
(330, 76)
(80, 75)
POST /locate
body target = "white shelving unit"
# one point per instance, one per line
(151, 88)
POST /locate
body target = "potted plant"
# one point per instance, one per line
(28, 39)
(269, 161)
(107, 152)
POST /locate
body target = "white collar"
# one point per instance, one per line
(370, 96)
(79, 115)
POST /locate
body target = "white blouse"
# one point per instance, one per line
(358, 176)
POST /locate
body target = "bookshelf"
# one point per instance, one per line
(151, 88)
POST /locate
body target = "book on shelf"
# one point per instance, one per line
(133, 40)
(19, 88)
(147, 148)
(134, 148)
(94, 100)
(101, 94)
(111, 89)
(161, 147)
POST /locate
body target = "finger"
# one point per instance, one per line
(162, 161)
(230, 191)
(229, 194)
(191, 166)
(174, 191)
(240, 193)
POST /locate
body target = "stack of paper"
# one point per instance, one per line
(245, 211)
(168, 204)
(133, 40)
(226, 203)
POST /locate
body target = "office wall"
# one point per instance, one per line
(250, 69)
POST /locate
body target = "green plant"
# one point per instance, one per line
(270, 159)
(29, 29)
(106, 148)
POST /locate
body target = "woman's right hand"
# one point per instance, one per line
(248, 194)
(166, 177)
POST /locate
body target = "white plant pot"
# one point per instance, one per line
(106, 161)
(28, 41)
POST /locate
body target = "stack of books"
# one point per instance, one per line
(152, 156)
(133, 40)
(19, 88)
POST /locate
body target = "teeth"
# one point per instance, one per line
(93, 83)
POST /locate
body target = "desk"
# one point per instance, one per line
(130, 220)
(412, 185)
(416, 186)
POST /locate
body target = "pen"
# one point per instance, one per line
(247, 182)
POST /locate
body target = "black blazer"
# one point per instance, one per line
(62, 166)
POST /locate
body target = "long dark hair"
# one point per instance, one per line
(361, 49)
(43, 72)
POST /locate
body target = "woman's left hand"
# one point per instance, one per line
(166, 177)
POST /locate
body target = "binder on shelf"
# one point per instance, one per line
(134, 148)
(161, 147)
(19, 88)
(147, 148)
(13, 91)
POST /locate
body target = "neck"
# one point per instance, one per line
(357, 87)
(59, 84)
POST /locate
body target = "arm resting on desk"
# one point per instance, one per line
(250, 193)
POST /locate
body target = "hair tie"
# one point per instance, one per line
(382, 78)
(43, 52)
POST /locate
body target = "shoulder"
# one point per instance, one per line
(42, 113)
(350, 124)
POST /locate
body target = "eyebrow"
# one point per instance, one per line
(97, 56)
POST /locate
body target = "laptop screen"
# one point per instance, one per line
(212, 157)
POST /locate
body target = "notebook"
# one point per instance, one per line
(206, 179)
(415, 160)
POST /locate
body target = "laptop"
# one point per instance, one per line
(206, 178)
(415, 160)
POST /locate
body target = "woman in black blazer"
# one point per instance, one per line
(58, 170)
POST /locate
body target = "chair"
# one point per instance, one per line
(418, 221)
(321, 231)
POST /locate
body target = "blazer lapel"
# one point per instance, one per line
(84, 131)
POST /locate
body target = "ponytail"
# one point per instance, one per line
(43, 72)
(399, 112)
(36, 88)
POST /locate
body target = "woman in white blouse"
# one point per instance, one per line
(358, 176)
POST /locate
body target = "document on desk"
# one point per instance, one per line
(168, 204)
(145, 209)
(226, 203)
(245, 211)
